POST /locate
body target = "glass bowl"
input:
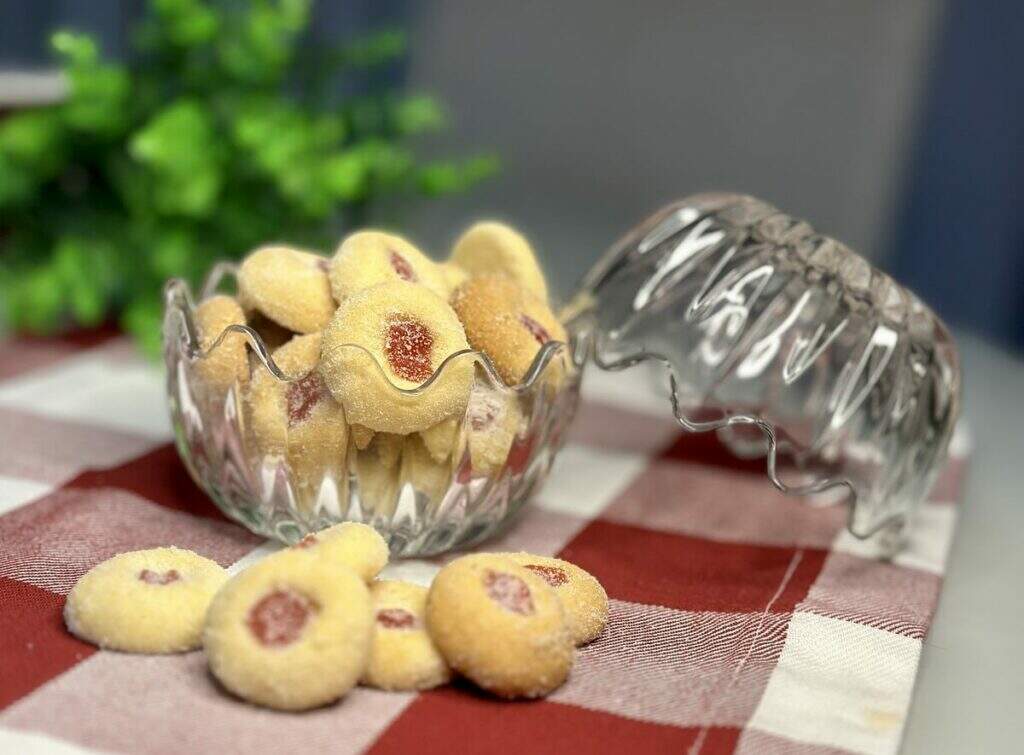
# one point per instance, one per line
(425, 493)
(788, 345)
(781, 340)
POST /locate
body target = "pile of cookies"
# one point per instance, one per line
(302, 627)
(359, 334)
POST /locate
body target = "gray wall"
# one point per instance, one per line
(603, 111)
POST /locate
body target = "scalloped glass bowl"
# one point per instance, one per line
(501, 450)
(783, 341)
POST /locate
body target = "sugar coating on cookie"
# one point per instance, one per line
(500, 625)
(290, 632)
(228, 363)
(582, 596)
(289, 286)
(429, 477)
(442, 440)
(507, 323)
(396, 335)
(299, 420)
(403, 656)
(493, 418)
(489, 247)
(454, 275)
(148, 601)
(349, 545)
(369, 258)
(376, 482)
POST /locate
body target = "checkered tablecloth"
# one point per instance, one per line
(741, 620)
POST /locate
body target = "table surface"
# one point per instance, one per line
(970, 689)
(968, 648)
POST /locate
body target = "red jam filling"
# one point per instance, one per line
(395, 618)
(536, 329)
(551, 574)
(159, 578)
(303, 395)
(509, 592)
(279, 618)
(402, 267)
(407, 346)
(483, 410)
(307, 542)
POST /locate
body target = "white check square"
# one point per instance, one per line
(840, 684)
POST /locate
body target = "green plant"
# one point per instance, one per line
(220, 132)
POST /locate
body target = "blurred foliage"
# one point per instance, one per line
(222, 131)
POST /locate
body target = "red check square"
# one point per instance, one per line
(451, 719)
(691, 573)
(34, 645)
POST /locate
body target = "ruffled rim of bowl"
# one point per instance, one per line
(178, 298)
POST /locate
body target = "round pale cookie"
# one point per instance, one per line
(491, 247)
(583, 598)
(403, 657)
(361, 436)
(443, 439)
(396, 335)
(419, 469)
(290, 632)
(149, 601)
(454, 275)
(349, 545)
(300, 420)
(506, 322)
(289, 286)
(228, 363)
(377, 482)
(500, 625)
(369, 258)
(493, 418)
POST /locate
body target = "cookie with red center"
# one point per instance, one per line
(349, 545)
(390, 337)
(289, 286)
(493, 418)
(298, 420)
(507, 323)
(290, 632)
(228, 363)
(369, 258)
(428, 477)
(149, 601)
(403, 656)
(495, 248)
(500, 625)
(583, 598)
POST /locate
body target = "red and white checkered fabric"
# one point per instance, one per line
(742, 621)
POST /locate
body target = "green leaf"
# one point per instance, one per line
(78, 49)
(261, 41)
(179, 146)
(446, 177)
(417, 114)
(17, 184)
(143, 318)
(378, 48)
(33, 137)
(345, 175)
(186, 23)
